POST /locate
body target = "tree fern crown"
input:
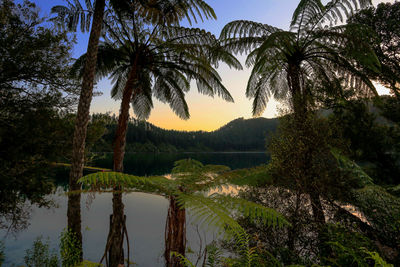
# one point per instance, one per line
(317, 53)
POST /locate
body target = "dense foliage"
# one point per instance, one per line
(33, 80)
(37, 97)
(384, 35)
(237, 135)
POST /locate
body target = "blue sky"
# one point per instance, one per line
(206, 113)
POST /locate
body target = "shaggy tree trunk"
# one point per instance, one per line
(175, 233)
(116, 252)
(300, 110)
(82, 120)
(299, 100)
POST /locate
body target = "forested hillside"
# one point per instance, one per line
(237, 135)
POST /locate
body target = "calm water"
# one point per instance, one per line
(162, 163)
(146, 214)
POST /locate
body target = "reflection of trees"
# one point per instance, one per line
(15, 208)
(15, 216)
(189, 181)
(175, 232)
(114, 251)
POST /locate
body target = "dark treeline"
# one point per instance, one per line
(237, 135)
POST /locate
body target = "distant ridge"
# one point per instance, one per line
(237, 135)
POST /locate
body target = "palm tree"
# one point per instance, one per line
(315, 58)
(187, 187)
(166, 11)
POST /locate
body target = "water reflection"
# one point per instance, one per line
(146, 239)
(161, 163)
(146, 214)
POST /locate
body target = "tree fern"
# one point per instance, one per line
(314, 55)
(166, 63)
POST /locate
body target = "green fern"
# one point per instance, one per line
(214, 255)
(378, 261)
(188, 177)
(89, 264)
(110, 180)
(255, 176)
(350, 166)
(253, 211)
(182, 259)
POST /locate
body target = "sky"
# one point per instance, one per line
(206, 113)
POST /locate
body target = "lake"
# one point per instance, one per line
(161, 163)
(146, 213)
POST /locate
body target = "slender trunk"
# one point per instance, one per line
(299, 101)
(175, 233)
(116, 252)
(300, 110)
(82, 120)
(292, 232)
(297, 91)
(317, 209)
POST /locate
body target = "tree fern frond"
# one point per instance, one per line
(216, 210)
(172, 12)
(183, 35)
(209, 213)
(72, 15)
(348, 165)
(142, 104)
(182, 259)
(187, 166)
(119, 77)
(242, 45)
(170, 87)
(256, 176)
(127, 182)
(311, 14)
(253, 211)
(246, 28)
